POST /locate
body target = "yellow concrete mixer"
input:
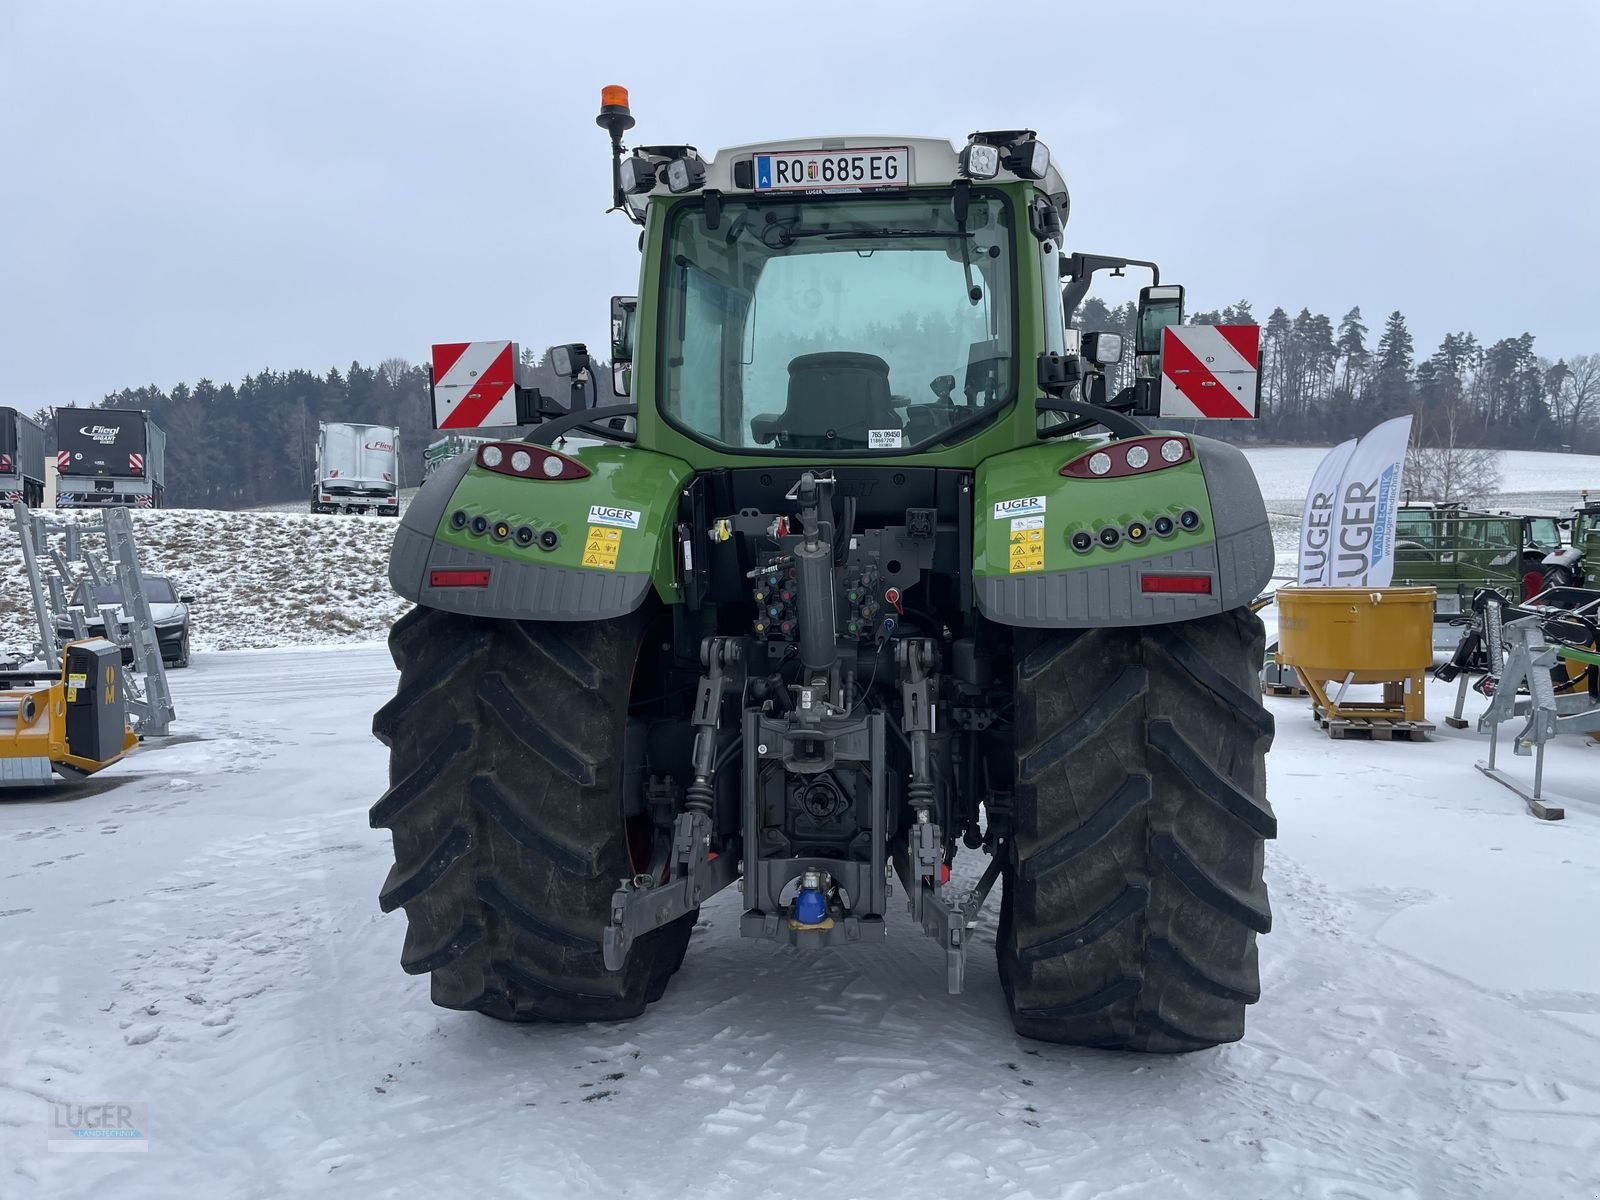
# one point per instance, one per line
(1337, 638)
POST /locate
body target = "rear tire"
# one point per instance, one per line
(1133, 887)
(1559, 576)
(505, 805)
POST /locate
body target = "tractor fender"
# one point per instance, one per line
(1563, 558)
(598, 543)
(1027, 573)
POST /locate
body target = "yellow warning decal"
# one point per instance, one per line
(1027, 553)
(600, 550)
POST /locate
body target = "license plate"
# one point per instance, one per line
(814, 170)
(1449, 606)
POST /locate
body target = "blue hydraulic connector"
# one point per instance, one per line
(810, 905)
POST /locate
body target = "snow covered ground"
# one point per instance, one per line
(197, 930)
(259, 579)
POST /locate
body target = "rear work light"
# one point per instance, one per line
(1135, 456)
(443, 579)
(1181, 585)
(527, 461)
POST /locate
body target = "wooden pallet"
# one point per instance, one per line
(1378, 730)
(1283, 689)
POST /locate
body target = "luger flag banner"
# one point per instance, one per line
(1316, 525)
(1358, 549)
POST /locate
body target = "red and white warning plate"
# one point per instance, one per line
(1210, 371)
(474, 384)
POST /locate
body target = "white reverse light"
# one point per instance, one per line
(685, 174)
(1100, 463)
(980, 161)
(1137, 456)
(491, 456)
(521, 460)
(1172, 449)
(552, 466)
(1040, 160)
(638, 175)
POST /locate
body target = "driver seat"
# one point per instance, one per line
(835, 398)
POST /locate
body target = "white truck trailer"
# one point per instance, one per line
(358, 469)
(109, 456)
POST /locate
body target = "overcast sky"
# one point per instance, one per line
(211, 188)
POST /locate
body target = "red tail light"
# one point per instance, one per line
(1185, 585)
(527, 461)
(443, 579)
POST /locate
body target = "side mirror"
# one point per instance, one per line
(1158, 307)
(623, 311)
(569, 361)
(185, 599)
(1103, 349)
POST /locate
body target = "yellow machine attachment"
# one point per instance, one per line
(76, 724)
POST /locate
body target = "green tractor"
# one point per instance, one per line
(841, 584)
(1569, 566)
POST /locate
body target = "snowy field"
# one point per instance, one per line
(197, 930)
(1529, 480)
(259, 579)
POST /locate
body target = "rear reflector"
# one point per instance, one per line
(458, 579)
(1192, 585)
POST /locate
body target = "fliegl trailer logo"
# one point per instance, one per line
(105, 435)
(385, 447)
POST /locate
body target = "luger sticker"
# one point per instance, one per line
(1023, 506)
(627, 518)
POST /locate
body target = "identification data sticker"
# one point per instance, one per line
(1027, 544)
(600, 548)
(884, 439)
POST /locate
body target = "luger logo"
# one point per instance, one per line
(104, 434)
(627, 518)
(1022, 506)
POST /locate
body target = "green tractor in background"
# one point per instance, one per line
(1568, 566)
(842, 584)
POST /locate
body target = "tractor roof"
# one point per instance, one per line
(933, 162)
